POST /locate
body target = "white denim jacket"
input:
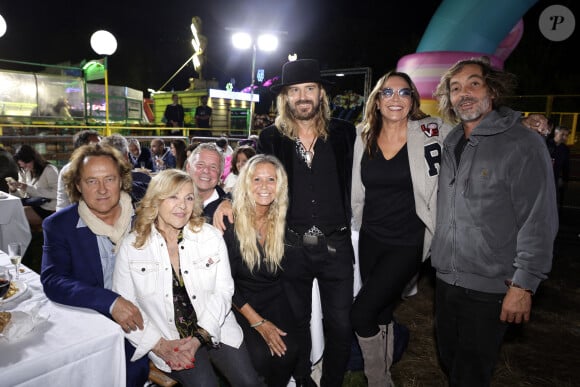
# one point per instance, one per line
(144, 277)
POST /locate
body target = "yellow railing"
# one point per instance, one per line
(55, 143)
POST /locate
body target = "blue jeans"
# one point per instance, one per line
(469, 333)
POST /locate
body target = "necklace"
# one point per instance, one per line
(308, 153)
(259, 230)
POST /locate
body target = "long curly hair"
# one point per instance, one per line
(72, 176)
(372, 120)
(244, 208)
(286, 123)
(499, 83)
(163, 185)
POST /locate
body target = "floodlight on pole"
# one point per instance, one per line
(2, 26)
(264, 42)
(105, 44)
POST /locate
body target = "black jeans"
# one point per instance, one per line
(330, 260)
(233, 363)
(385, 271)
(469, 333)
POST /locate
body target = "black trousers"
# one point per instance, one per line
(469, 333)
(330, 261)
(385, 271)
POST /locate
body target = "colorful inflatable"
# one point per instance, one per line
(462, 29)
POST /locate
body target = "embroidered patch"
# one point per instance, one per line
(431, 129)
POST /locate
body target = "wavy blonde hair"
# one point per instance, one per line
(286, 123)
(244, 208)
(165, 184)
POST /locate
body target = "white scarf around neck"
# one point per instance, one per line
(121, 226)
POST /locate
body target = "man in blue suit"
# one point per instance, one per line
(80, 243)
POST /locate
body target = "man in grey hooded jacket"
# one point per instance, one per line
(496, 221)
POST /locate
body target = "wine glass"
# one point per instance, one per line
(5, 278)
(15, 254)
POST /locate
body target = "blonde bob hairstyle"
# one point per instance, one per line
(244, 208)
(163, 185)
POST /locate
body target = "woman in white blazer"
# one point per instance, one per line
(175, 268)
(394, 192)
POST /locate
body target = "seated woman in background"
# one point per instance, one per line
(256, 252)
(241, 155)
(178, 149)
(175, 268)
(37, 184)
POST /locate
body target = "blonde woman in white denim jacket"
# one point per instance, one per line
(148, 275)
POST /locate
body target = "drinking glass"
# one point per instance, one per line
(5, 278)
(15, 254)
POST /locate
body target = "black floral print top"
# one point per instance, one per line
(185, 316)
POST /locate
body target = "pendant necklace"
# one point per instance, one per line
(308, 153)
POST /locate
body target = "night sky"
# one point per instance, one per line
(154, 38)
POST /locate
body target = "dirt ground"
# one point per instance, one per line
(543, 352)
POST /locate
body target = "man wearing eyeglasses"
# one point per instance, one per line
(205, 165)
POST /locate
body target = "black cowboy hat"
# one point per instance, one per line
(300, 71)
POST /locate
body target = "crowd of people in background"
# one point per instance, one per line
(239, 230)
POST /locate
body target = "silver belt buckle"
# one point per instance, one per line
(311, 236)
(310, 240)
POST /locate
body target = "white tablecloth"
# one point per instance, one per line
(13, 224)
(74, 347)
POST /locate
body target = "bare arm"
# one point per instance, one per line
(271, 334)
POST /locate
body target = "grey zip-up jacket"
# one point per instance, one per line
(496, 212)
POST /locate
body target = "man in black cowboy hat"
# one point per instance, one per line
(317, 152)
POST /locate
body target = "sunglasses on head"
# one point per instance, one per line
(388, 92)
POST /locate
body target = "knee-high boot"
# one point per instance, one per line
(376, 360)
(389, 332)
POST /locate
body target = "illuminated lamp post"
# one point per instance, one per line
(105, 44)
(2, 26)
(264, 42)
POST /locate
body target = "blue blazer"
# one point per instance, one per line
(71, 271)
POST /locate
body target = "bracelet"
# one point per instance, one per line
(201, 339)
(255, 325)
(511, 284)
